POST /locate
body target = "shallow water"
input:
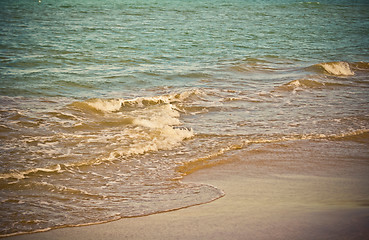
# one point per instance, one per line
(106, 106)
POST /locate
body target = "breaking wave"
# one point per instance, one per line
(334, 68)
(114, 105)
(100, 130)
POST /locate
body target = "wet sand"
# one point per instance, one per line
(301, 190)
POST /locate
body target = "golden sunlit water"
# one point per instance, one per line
(105, 106)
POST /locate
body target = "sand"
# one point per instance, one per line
(265, 198)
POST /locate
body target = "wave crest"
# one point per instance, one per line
(301, 84)
(99, 105)
(20, 175)
(334, 68)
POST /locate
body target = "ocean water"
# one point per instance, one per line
(106, 105)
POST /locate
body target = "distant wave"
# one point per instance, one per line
(337, 68)
(340, 68)
(266, 64)
(301, 84)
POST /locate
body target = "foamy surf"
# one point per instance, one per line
(131, 126)
(101, 140)
(125, 156)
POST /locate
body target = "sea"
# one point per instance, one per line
(105, 106)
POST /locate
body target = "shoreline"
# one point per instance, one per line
(263, 200)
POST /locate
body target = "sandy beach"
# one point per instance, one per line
(279, 192)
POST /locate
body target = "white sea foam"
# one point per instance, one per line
(160, 133)
(105, 105)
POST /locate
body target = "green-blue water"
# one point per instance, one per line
(105, 105)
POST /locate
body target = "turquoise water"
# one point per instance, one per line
(93, 49)
(105, 106)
